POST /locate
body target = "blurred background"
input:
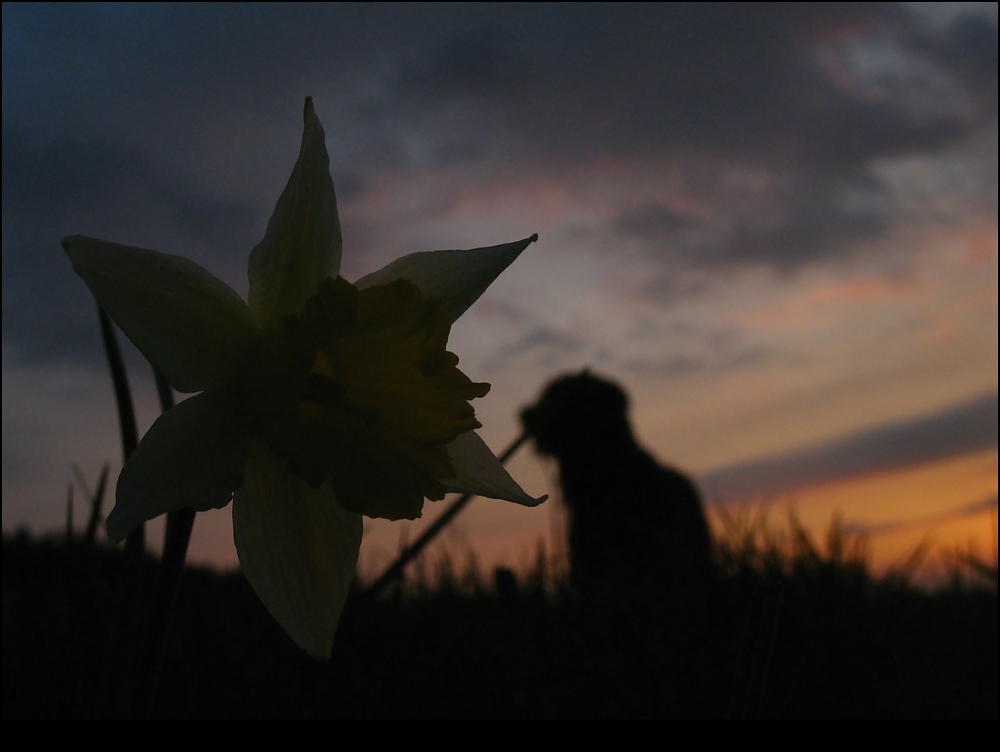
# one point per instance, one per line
(775, 224)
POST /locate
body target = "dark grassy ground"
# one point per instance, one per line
(788, 632)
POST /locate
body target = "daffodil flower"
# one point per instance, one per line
(319, 400)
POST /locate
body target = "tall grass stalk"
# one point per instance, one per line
(141, 639)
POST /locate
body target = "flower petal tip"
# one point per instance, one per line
(71, 244)
(520, 245)
(319, 653)
(479, 472)
(309, 112)
(119, 525)
(527, 500)
(537, 502)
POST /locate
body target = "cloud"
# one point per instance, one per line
(684, 349)
(478, 64)
(82, 186)
(989, 504)
(694, 94)
(794, 221)
(964, 429)
(731, 77)
(968, 49)
(543, 345)
(739, 80)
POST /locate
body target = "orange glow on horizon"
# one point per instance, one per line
(926, 505)
(940, 506)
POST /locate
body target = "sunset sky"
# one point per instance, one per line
(775, 224)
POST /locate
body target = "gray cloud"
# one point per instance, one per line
(732, 77)
(812, 140)
(683, 349)
(728, 359)
(543, 345)
(951, 433)
(736, 79)
(478, 64)
(808, 220)
(87, 187)
(96, 99)
(969, 49)
(988, 504)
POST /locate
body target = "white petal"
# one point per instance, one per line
(192, 456)
(456, 277)
(302, 244)
(187, 323)
(298, 549)
(479, 472)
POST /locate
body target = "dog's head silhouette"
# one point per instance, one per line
(576, 415)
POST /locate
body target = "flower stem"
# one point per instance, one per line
(175, 546)
(140, 660)
(123, 647)
(135, 543)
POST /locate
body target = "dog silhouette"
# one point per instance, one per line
(636, 529)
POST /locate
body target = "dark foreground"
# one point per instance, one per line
(807, 636)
